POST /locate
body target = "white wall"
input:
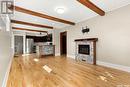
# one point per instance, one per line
(113, 31)
(56, 40)
(5, 51)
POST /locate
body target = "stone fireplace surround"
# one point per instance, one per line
(84, 57)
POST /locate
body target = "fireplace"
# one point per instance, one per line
(84, 49)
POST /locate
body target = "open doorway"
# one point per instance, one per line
(63, 43)
(18, 43)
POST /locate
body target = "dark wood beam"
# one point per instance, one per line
(31, 24)
(16, 28)
(23, 10)
(92, 6)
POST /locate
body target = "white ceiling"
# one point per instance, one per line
(75, 11)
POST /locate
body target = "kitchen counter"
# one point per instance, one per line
(45, 50)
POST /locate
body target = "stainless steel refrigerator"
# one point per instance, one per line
(29, 46)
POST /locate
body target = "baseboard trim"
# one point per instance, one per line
(115, 66)
(57, 54)
(71, 56)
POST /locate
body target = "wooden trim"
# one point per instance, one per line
(61, 41)
(16, 28)
(31, 24)
(88, 39)
(54, 50)
(94, 55)
(23, 10)
(92, 6)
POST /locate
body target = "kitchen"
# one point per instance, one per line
(34, 44)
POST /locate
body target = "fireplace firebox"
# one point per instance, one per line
(84, 49)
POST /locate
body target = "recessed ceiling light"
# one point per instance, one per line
(60, 10)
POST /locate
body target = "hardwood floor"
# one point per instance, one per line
(26, 72)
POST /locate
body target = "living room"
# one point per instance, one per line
(65, 43)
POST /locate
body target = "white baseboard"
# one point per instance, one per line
(57, 54)
(115, 66)
(71, 56)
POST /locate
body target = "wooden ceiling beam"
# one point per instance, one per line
(92, 6)
(16, 28)
(23, 10)
(31, 24)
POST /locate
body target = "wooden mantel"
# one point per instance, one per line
(87, 39)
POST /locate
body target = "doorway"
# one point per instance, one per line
(63, 43)
(18, 44)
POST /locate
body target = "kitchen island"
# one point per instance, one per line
(45, 50)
